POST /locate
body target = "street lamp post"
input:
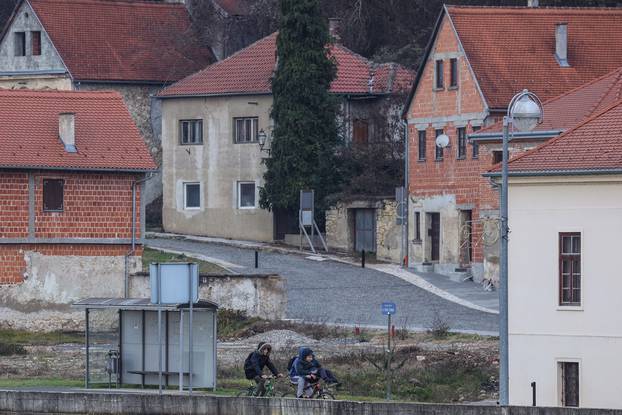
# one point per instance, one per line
(524, 113)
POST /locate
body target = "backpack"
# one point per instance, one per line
(291, 366)
(248, 366)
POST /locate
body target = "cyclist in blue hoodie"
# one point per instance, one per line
(303, 372)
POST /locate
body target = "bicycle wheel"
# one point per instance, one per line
(289, 394)
(245, 392)
(326, 395)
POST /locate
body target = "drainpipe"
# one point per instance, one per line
(126, 286)
(406, 197)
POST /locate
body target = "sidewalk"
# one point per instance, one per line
(467, 294)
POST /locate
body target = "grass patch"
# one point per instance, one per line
(40, 382)
(21, 337)
(233, 322)
(153, 255)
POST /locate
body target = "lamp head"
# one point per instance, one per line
(442, 141)
(262, 137)
(526, 111)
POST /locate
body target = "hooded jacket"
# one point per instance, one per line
(301, 366)
(255, 363)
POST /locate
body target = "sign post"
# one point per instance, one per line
(389, 309)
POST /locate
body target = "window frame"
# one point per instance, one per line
(571, 257)
(190, 121)
(35, 34)
(453, 73)
(23, 51)
(462, 146)
(360, 125)
(417, 218)
(439, 81)
(239, 194)
(494, 154)
(475, 154)
(44, 198)
(561, 363)
(254, 122)
(422, 144)
(439, 152)
(185, 189)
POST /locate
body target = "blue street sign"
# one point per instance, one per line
(388, 308)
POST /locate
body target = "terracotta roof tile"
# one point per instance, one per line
(128, 41)
(569, 109)
(105, 134)
(250, 70)
(511, 49)
(593, 145)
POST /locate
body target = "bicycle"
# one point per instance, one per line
(251, 390)
(320, 391)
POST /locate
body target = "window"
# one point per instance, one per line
(53, 195)
(569, 372)
(439, 150)
(570, 269)
(422, 145)
(20, 43)
(439, 75)
(417, 226)
(453, 78)
(191, 132)
(497, 156)
(36, 43)
(246, 195)
(245, 130)
(475, 143)
(192, 195)
(360, 132)
(461, 142)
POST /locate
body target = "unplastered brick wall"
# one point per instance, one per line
(13, 264)
(94, 206)
(13, 205)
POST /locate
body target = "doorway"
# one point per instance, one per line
(365, 230)
(434, 235)
(466, 237)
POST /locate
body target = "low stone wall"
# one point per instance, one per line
(119, 403)
(258, 295)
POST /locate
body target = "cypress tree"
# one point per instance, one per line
(305, 138)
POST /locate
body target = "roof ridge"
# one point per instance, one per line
(564, 134)
(577, 88)
(534, 9)
(132, 3)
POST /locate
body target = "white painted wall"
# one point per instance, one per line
(542, 332)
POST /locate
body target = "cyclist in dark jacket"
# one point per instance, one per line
(254, 364)
(303, 372)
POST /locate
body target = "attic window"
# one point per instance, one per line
(439, 84)
(36, 43)
(53, 195)
(20, 43)
(453, 79)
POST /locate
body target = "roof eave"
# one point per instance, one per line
(93, 169)
(569, 172)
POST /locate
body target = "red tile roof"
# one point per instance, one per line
(594, 145)
(250, 70)
(511, 49)
(105, 134)
(569, 109)
(128, 41)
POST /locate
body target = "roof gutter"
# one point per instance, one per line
(495, 136)
(98, 170)
(577, 172)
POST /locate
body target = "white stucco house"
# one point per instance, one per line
(565, 279)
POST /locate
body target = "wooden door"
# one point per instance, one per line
(365, 230)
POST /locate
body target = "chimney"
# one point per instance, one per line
(561, 44)
(533, 3)
(334, 28)
(67, 131)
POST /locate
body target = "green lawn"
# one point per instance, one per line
(153, 255)
(9, 336)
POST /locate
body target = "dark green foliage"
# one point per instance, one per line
(10, 349)
(305, 138)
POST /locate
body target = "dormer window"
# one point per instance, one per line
(19, 39)
(439, 84)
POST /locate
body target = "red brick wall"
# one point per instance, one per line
(13, 265)
(13, 205)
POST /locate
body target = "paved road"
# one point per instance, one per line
(341, 293)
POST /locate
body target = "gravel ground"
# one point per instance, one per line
(339, 293)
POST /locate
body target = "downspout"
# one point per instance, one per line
(126, 285)
(406, 195)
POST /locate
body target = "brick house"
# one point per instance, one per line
(212, 162)
(470, 71)
(72, 175)
(133, 47)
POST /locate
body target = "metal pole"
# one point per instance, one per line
(388, 358)
(159, 330)
(503, 275)
(533, 393)
(256, 259)
(181, 349)
(86, 346)
(363, 258)
(190, 348)
(405, 208)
